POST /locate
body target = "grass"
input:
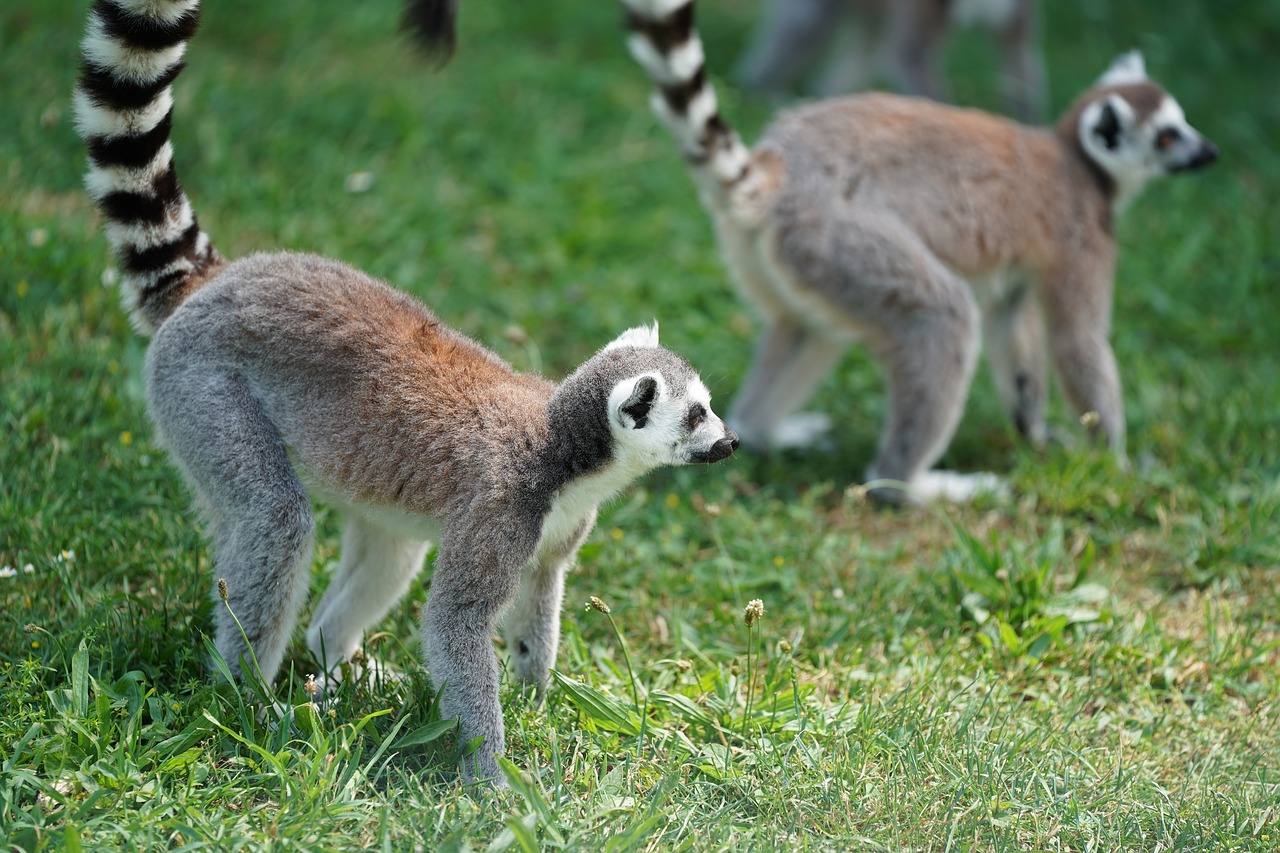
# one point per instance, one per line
(1089, 666)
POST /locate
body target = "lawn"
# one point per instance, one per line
(1091, 664)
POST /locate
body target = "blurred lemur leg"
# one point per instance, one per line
(789, 37)
(855, 55)
(1022, 65)
(790, 361)
(916, 31)
(260, 516)
(375, 570)
(1016, 351)
(921, 322)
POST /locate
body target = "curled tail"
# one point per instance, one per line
(665, 42)
(131, 53)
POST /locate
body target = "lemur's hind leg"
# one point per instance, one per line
(1017, 352)
(920, 320)
(791, 359)
(260, 516)
(375, 570)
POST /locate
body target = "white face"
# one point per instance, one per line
(652, 426)
(1133, 153)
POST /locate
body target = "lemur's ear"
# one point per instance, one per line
(1127, 68)
(634, 411)
(641, 337)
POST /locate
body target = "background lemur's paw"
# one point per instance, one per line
(958, 488)
(802, 430)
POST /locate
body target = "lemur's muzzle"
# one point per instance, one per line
(722, 449)
(1207, 153)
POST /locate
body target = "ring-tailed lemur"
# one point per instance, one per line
(906, 35)
(277, 370)
(913, 227)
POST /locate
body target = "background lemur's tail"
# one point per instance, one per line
(665, 42)
(131, 53)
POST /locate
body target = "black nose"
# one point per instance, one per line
(1207, 154)
(722, 449)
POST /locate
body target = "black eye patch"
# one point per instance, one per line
(697, 412)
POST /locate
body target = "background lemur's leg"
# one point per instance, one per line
(789, 38)
(1078, 310)
(375, 570)
(532, 624)
(1022, 64)
(1017, 354)
(855, 53)
(476, 575)
(260, 516)
(916, 31)
(791, 359)
(920, 320)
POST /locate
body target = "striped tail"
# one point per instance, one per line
(131, 53)
(665, 42)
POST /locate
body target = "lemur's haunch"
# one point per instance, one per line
(276, 373)
(919, 229)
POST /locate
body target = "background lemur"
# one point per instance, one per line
(915, 227)
(279, 369)
(905, 36)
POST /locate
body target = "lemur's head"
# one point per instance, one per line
(659, 411)
(1134, 130)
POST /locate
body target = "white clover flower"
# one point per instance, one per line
(28, 569)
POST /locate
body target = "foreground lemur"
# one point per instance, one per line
(283, 369)
(918, 229)
(907, 35)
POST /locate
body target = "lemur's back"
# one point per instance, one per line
(981, 191)
(319, 342)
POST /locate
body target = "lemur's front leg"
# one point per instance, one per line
(476, 576)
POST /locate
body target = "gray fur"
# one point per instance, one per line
(291, 368)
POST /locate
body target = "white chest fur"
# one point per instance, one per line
(577, 501)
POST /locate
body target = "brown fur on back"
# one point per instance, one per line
(981, 191)
(375, 365)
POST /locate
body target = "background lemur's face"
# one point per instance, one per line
(1133, 147)
(651, 420)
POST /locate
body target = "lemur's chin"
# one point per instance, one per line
(722, 449)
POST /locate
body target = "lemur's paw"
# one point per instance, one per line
(958, 488)
(802, 430)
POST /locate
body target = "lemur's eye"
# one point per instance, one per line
(696, 414)
(1167, 137)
